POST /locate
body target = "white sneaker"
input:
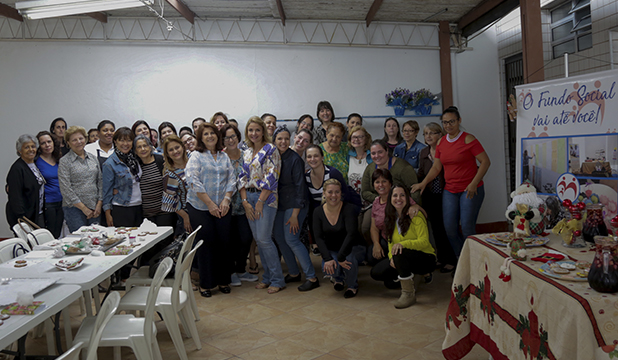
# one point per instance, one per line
(247, 277)
(235, 280)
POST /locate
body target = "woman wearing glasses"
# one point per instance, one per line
(410, 148)
(432, 198)
(457, 153)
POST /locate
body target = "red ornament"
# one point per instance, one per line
(577, 232)
(567, 203)
(578, 216)
(581, 206)
(573, 208)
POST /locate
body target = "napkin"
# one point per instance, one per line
(147, 226)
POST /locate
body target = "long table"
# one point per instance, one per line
(93, 271)
(532, 316)
(55, 298)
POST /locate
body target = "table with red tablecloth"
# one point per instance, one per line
(531, 316)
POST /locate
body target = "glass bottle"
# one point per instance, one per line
(594, 224)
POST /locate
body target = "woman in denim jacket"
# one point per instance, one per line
(122, 197)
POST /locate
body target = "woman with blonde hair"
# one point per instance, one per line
(258, 183)
(335, 226)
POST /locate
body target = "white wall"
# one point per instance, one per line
(476, 85)
(87, 82)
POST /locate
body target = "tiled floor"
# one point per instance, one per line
(320, 324)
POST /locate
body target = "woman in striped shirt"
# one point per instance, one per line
(174, 180)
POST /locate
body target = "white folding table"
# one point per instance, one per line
(94, 270)
(55, 298)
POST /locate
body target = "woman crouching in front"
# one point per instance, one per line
(409, 249)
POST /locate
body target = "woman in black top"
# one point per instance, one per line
(291, 213)
(335, 225)
(25, 184)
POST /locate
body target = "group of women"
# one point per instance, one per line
(356, 200)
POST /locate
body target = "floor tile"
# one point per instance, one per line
(366, 322)
(285, 325)
(240, 340)
(249, 314)
(370, 349)
(410, 334)
(282, 350)
(327, 337)
(325, 311)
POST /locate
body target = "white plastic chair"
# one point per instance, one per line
(39, 237)
(72, 353)
(140, 334)
(11, 248)
(22, 229)
(171, 301)
(141, 277)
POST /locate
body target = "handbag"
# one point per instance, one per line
(172, 251)
(17, 248)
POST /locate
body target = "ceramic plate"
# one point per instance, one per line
(571, 276)
(503, 239)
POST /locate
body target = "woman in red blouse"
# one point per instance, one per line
(458, 153)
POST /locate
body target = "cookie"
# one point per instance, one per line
(20, 265)
(20, 262)
(561, 271)
(567, 266)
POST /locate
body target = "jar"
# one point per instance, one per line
(594, 224)
(603, 275)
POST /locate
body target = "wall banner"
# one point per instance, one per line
(570, 125)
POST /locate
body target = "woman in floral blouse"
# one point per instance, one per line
(336, 152)
(258, 184)
(174, 180)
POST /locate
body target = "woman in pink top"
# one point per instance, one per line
(458, 153)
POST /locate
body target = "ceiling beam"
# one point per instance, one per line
(281, 12)
(484, 14)
(183, 10)
(100, 16)
(10, 12)
(373, 10)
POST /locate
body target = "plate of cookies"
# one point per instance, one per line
(566, 270)
(505, 238)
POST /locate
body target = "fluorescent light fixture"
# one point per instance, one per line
(41, 9)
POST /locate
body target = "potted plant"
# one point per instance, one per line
(400, 99)
(423, 100)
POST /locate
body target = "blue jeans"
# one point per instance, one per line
(262, 230)
(75, 218)
(290, 244)
(351, 276)
(456, 207)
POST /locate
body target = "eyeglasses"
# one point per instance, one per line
(359, 137)
(231, 137)
(432, 133)
(448, 122)
(409, 131)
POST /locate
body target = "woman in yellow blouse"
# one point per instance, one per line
(409, 249)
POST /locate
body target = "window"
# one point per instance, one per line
(571, 27)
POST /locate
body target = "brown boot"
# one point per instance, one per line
(408, 293)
